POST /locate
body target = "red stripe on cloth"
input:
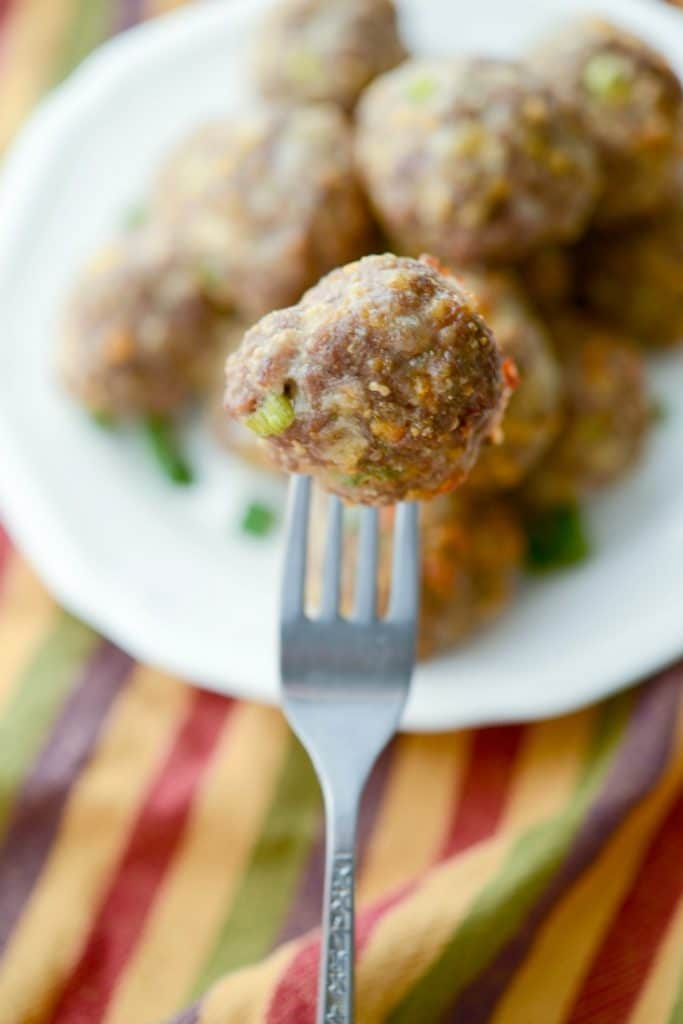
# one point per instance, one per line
(5, 11)
(480, 804)
(5, 6)
(621, 967)
(152, 844)
(294, 999)
(485, 789)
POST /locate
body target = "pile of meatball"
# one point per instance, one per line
(509, 362)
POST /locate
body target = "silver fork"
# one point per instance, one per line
(344, 684)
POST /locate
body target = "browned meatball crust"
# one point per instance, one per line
(325, 50)
(634, 277)
(383, 382)
(138, 331)
(473, 160)
(266, 202)
(631, 103)
(532, 417)
(607, 412)
(472, 553)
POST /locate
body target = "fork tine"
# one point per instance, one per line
(333, 560)
(403, 605)
(294, 578)
(365, 606)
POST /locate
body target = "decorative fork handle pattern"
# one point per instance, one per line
(337, 989)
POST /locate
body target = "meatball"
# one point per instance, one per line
(266, 203)
(313, 50)
(631, 103)
(138, 332)
(634, 277)
(607, 412)
(473, 160)
(472, 553)
(383, 382)
(533, 413)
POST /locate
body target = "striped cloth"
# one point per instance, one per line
(161, 848)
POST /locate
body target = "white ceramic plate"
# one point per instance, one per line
(166, 573)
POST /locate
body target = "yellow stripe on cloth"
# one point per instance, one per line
(93, 833)
(432, 913)
(26, 612)
(546, 985)
(658, 998)
(426, 778)
(34, 36)
(223, 829)
(552, 756)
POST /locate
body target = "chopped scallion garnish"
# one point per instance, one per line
(608, 77)
(258, 519)
(556, 538)
(165, 448)
(103, 420)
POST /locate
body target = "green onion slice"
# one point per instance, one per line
(164, 445)
(608, 77)
(274, 416)
(556, 538)
(258, 519)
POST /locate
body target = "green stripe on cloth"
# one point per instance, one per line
(39, 694)
(90, 23)
(270, 882)
(500, 908)
(677, 1012)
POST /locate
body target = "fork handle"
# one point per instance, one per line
(336, 1001)
(336, 993)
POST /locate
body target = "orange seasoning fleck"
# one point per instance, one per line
(510, 374)
(119, 347)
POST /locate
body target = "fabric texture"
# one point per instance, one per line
(161, 848)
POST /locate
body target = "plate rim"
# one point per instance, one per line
(48, 543)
